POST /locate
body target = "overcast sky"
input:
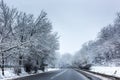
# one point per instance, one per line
(76, 21)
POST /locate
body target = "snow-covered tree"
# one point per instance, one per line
(65, 60)
(7, 16)
(23, 37)
(104, 49)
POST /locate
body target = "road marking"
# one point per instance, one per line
(58, 74)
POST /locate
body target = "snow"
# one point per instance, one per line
(52, 69)
(114, 71)
(98, 76)
(9, 73)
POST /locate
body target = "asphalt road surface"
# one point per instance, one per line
(65, 74)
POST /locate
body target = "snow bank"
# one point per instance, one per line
(52, 69)
(114, 71)
(9, 73)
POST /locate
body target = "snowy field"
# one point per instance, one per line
(114, 71)
(9, 73)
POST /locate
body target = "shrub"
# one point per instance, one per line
(28, 67)
(17, 70)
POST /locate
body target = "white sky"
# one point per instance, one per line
(76, 21)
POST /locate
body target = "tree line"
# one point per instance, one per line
(26, 41)
(104, 50)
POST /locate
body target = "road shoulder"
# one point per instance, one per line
(92, 76)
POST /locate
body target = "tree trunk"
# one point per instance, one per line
(20, 60)
(20, 63)
(3, 64)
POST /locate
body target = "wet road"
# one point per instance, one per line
(65, 74)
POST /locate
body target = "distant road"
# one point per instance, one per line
(65, 74)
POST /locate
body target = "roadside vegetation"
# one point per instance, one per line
(103, 51)
(25, 41)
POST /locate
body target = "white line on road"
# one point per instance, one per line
(58, 74)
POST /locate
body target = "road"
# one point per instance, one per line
(65, 74)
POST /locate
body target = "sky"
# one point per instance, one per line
(76, 21)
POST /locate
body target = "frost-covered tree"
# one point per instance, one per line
(65, 60)
(23, 37)
(105, 49)
(7, 16)
(85, 55)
